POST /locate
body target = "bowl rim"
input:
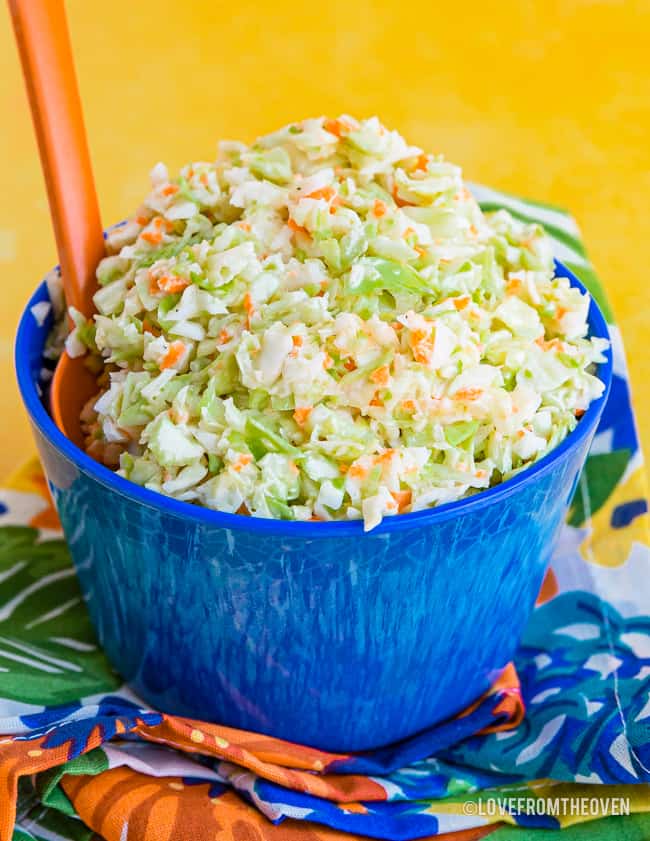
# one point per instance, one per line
(28, 328)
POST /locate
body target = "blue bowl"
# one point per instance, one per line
(312, 632)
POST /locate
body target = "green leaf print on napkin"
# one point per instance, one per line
(603, 472)
(48, 651)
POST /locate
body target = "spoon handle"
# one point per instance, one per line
(43, 42)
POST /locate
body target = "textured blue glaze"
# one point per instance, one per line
(313, 632)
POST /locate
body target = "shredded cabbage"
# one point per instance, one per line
(324, 325)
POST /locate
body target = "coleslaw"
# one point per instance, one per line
(325, 325)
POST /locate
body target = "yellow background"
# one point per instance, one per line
(547, 99)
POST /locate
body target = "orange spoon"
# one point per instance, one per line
(44, 45)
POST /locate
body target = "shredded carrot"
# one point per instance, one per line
(376, 402)
(579, 413)
(343, 468)
(408, 232)
(422, 162)
(302, 414)
(243, 510)
(461, 301)
(402, 498)
(473, 230)
(468, 393)
(245, 226)
(418, 336)
(174, 353)
(171, 283)
(297, 341)
(420, 250)
(203, 178)
(142, 220)
(242, 461)
(148, 327)
(551, 344)
(513, 285)
(385, 457)
(326, 193)
(337, 201)
(397, 325)
(328, 361)
(350, 364)
(380, 375)
(170, 190)
(159, 222)
(224, 337)
(293, 467)
(296, 228)
(422, 352)
(400, 202)
(408, 405)
(560, 313)
(357, 471)
(152, 237)
(249, 307)
(379, 208)
(337, 127)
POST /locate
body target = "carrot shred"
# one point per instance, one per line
(402, 498)
(174, 353)
(380, 375)
(249, 306)
(357, 471)
(379, 208)
(297, 341)
(350, 364)
(242, 461)
(422, 162)
(337, 128)
(326, 193)
(170, 190)
(152, 237)
(400, 202)
(301, 415)
(468, 393)
(148, 327)
(296, 228)
(172, 283)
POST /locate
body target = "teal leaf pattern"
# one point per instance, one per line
(602, 473)
(48, 650)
